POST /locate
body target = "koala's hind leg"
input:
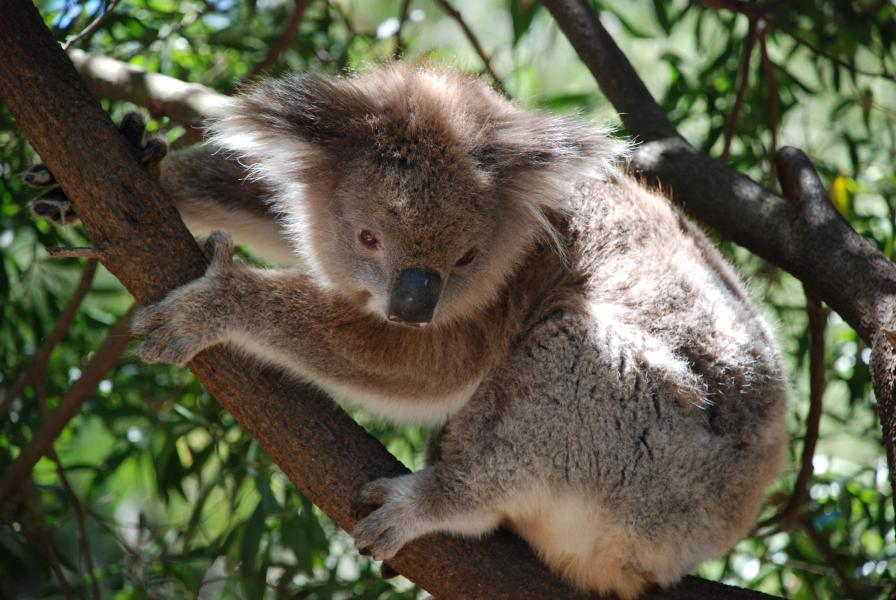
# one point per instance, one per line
(432, 500)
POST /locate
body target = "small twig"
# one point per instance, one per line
(52, 559)
(474, 41)
(84, 541)
(42, 357)
(753, 10)
(817, 320)
(283, 41)
(734, 116)
(76, 252)
(836, 60)
(830, 556)
(90, 29)
(768, 69)
(77, 394)
(402, 17)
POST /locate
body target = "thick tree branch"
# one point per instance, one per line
(136, 228)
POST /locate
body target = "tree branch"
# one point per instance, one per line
(283, 40)
(130, 219)
(474, 41)
(90, 29)
(402, 18)
(734, 116)
(790, 514)
(808, 238)
(52, 559)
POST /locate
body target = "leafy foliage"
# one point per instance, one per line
(178, 501)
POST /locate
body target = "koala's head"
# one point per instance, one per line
(414, 192)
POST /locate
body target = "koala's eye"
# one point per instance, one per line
(369, 240)
(467, 258)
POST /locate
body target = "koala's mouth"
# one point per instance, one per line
(398, 321)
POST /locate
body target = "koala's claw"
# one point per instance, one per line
(384, 532)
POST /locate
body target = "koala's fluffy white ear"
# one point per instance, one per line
(279, 127)
(528, 150)
(533, 160)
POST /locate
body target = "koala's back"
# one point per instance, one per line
(637, 432)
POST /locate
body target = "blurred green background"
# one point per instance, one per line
(167, 497)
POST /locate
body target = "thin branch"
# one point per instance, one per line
(41, 358)
(83, 538)
(790, 514)
(77, 394)
(753, 10)
(283, 41)
(837, 60)
(830, 556)
(734, 116)
(90, 29)
(474, 41)
(75, 252)
(768, 69)
(52, 558)
(402, 18)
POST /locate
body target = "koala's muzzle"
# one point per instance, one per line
(414, 297)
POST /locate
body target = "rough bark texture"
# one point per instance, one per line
(133, 223)
(807, 237)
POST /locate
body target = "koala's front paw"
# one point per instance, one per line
(192, 317)
(396, 522)
(54, 205)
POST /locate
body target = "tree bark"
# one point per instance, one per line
(135, 227)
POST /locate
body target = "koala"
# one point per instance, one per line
(604, 385)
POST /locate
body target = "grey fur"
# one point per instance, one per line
(607, 388)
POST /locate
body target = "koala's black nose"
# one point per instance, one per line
(414, 296)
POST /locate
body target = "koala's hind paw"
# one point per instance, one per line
(382, 533)
(56, 206)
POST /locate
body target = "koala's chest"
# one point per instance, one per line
(424, 406)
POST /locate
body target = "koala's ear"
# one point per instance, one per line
(279, 127)
(540, 155)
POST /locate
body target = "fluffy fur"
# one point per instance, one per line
(607, 388)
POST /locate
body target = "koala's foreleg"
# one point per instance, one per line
(278, 316)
